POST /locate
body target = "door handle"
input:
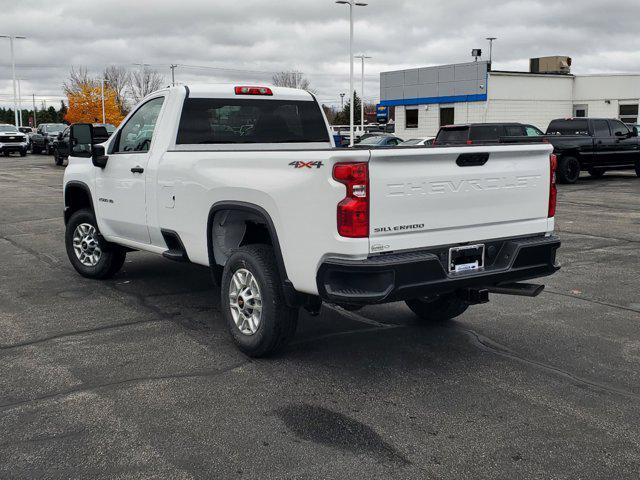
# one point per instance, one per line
(137, 169)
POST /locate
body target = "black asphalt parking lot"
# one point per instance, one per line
(136, 378)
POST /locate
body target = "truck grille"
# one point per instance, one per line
(10, 139)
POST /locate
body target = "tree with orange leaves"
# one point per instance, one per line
(85, 105)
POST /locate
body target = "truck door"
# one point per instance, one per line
(626, 145)
(120, 186)
(604, 143)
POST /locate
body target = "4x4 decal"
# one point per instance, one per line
(300, 164)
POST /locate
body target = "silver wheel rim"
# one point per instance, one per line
(85, 245)
(245, 301)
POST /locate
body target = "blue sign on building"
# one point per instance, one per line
(382, 113)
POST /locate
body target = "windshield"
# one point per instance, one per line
(371, 140)
(8, 128)
(413, 141)
(54, 127)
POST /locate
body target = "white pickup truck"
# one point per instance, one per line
(247, 181)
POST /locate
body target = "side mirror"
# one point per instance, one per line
(60, 136)
(634, 132)
(98, 157)
(81, 140)
(81, 144)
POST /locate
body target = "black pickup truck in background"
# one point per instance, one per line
(593, 144)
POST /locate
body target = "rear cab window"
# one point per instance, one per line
(568, 127)
(211, 121)
(448, 135)
(485, 133)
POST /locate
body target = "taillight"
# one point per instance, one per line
(553, 190)
(353, 210)
(469, 142)
(253, 91)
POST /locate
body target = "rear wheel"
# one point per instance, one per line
(568, 170)
(90, 254)
(596, 172)
(438, 309)
(252, 302)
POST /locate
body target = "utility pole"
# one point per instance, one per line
(104, 117)
(173, 74)
(342, 100)
(13, 71)
(35, 121)
(352, 4)
(362, 57)
(491, 39)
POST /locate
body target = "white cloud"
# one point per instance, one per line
(309, 35)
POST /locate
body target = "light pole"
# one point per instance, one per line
(104, 117)
(352, 4)
(342, 100)
(35, 120)
(13, 70)
(19, 104)
(362, 57)
(173, 74)
(491, 39)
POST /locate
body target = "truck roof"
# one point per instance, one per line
(227, 90)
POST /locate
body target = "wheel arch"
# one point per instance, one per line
(291, 295)
(77, 195)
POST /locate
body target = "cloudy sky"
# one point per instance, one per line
(248, 40)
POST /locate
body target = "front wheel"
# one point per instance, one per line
(57, 158)
(252, 302)
(596, 172)
(568, 170)
(36, 150)
(638, 168)
(438, 309)
(90, 254)
(23, 153)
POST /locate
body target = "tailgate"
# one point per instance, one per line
(423, 197)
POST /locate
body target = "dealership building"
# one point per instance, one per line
(426, 98)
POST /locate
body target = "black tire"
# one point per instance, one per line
(596, 172)
(6, 154)
(49, 150)
(36, 150)
(278, 321)
(23, 153)
(111, 256)
(57, 158)
(568, 170)
(440, 309)
(638, 168)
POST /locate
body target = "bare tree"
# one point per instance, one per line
(143, 82)
(78, 78)
(292, 79)
(118, 79)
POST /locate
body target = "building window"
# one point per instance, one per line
(411, 118)
(447, 116)
(628, 113)
(580, 111)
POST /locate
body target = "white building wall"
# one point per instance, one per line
(531, 98)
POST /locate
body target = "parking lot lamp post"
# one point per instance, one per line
(352, 4)
(104, 117)
(491, 39)
(13, 71)
(342, 100)
(19, 104)
(35, 120)
(362, 57)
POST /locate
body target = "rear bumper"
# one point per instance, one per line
(393, 277)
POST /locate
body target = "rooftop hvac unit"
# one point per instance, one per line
(557, 64)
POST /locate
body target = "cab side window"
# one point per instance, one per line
(618, 129)
(137, 133)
